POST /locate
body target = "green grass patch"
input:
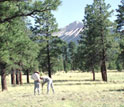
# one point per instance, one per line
(71, 90)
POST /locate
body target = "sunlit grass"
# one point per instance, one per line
(71, 90)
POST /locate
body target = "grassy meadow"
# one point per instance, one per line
(73, 89)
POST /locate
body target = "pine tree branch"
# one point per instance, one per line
(4, 0)
(11, 0)
(21, 15)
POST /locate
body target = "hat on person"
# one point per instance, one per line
(37, 72)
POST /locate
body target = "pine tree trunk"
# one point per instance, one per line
(73, 67)
(103, 70)
(13, 77)
(48, 59)
(93, 74)
(27, 76)
(17, 77)
(103, 61)
(103, 66)
(64, 65)
(20, 77)
(3, 80)
(103, 54)
(65, 59)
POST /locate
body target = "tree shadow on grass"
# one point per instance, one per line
(55, 81)
(75, 82)
(116, 90)
(72, 84)
(28, 83)
(78, 83)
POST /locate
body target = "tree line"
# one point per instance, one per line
(25, 48)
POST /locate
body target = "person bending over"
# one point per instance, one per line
(49, 82)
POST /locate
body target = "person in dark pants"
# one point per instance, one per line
(49, 82)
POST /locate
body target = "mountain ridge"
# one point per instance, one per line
(70, 32)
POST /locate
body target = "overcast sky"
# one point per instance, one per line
(73, 10)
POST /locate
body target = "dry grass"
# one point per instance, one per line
(71, 90)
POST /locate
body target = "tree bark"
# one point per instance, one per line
(64, 64)
(65, 58)
(103, 61)
(20, 77)
(103, 69)
(93, 74)
(3, 80)
(13, 77)
(48, 60)
(27, 76)
(17, 77)
(103, 53)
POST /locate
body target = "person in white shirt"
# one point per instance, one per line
(36, 78)
(49, 82)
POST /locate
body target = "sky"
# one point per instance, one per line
(73, 10)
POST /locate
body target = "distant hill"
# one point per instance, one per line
(70, 32)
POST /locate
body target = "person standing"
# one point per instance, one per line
(49, 82)
(36, 78)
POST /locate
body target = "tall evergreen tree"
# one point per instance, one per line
(65, 56)
(18, 47)
(88, 45)
(120, 30)
(97, 34)
(120, 18)
(45, 26)
(11, 9)
(5, 41)
(72, 49)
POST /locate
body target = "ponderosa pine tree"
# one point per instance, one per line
(97, 35)
(26, 50)
(11, 9)
(120, 18)
(4, 54)
(65, 56)
(18, 50)
(72, 49)
(88, 45)
(45, 26)
(120, 30)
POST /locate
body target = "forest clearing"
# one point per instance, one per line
(73, 89)
(83, 60)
